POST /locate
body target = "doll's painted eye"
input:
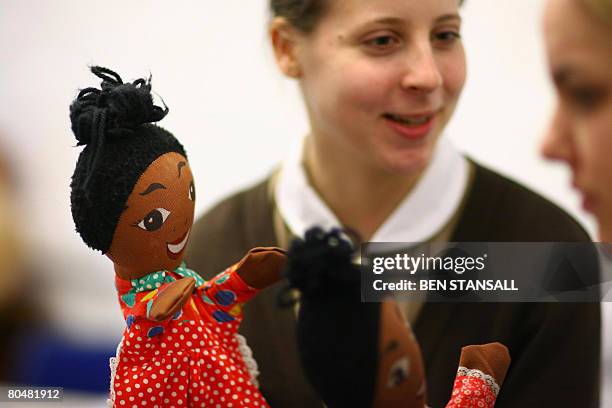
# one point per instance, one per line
(192, 191)
(398, 372)
(154, 220)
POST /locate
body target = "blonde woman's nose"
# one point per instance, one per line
(557, 144)
(422, 72)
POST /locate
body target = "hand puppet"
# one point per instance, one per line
(133, 198)
(360, 354)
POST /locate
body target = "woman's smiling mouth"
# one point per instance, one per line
(412, 127)
(176, 248)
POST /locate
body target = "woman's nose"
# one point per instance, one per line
(557, 144)
(422, 71)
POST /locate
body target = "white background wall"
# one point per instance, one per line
(231, 109)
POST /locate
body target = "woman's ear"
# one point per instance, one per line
(284, 39)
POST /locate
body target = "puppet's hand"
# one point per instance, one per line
(262, 267)
(482, 369)
(171, 299)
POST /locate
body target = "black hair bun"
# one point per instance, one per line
(321, 264)
(114, 110)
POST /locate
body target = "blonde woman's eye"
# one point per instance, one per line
(447, 37)
(586, 98)
(154, 220)
(382, 42)
(398, 372)
(192, 194)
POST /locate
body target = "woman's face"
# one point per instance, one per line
(579, 50)
(381, 79)
(154, 227)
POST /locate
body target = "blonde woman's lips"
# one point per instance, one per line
(411, 127)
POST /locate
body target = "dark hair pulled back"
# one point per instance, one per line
(302, 14)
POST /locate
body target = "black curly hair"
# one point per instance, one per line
(114, 124)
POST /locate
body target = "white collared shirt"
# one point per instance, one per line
(430, 206)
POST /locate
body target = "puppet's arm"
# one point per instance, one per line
(258, 269)
(482, 369)
(171, 299)
(261, 267)
(149, 307)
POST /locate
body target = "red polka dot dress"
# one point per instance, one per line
(191, 359)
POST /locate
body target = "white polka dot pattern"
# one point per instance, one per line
(191, 360)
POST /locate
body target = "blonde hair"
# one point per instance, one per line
(602, 9)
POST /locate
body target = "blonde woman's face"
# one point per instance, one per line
(381, 79)
(579, 48)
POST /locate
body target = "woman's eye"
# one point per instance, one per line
(585, 98)
(382, 42)
(447, 37)
(192, 194)
(154, 220)
(398, 372)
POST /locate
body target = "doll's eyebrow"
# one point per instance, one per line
(180, 165)
(152, 187)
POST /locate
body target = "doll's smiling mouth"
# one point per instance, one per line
(176, 248)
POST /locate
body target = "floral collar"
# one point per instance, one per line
(155, 280)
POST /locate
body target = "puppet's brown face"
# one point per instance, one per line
(153, 230)
(401, 376)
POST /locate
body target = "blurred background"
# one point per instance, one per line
(237, 117)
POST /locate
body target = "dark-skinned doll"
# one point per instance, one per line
(364, 354)
(133, 199)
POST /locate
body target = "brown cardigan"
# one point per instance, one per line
(555, 347)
